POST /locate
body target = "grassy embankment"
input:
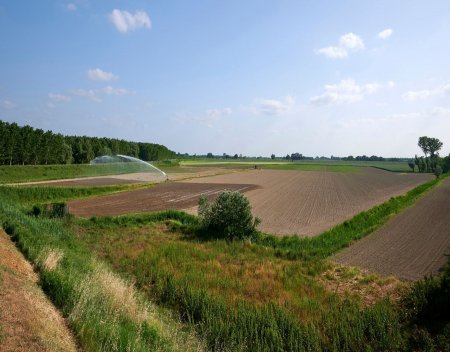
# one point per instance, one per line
(239, 295)
(45, 194)
(28, 173)
(104, 310)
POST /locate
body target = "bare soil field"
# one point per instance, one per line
(307, 203)
(412, 244)
(175, 195)
(304, 203)
(28, 320)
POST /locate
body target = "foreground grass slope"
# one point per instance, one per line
(105, 311)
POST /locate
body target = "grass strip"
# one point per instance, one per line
(28, 173)
(45, 194)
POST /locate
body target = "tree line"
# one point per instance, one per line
(25, 145)
(431, 161)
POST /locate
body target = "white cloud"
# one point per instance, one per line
(418, 95)
(218, 113)
(97, 74)
(351, 41)
(208, 118)
(93, 94)
(423, 94)
(7, 104)
(391, 84)
(51, 105)
(59, 97)
(333, 52)
(439, 110)
(86, 93)
(125, 21)
(271, 107)
(385, 34)
(113, 91)
(71, 7)
(346, 91)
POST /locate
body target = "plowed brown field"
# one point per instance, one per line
(175, 195)
(288, 202)
(411, 245)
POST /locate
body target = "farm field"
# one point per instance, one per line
(413, 244)
(288, 202)
(317, 165)
(162, 197)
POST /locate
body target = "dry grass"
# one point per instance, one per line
(120, 299)
(371, 288)
(50, 258)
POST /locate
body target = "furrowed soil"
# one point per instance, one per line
(412, 244)
(28, 320)
(304, 203)
(175, 195)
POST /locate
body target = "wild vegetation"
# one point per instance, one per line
(104, 310)
(263, 294)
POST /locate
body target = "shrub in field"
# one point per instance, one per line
(54, 210)
(438, 171)
(229, 216)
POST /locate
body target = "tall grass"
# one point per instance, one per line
(104, 310)
(233, 291)
(180, 277)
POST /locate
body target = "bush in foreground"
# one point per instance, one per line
(229, 216)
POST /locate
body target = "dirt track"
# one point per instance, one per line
(28, 319)
(288, 202)
(175, 195)
(411, 245)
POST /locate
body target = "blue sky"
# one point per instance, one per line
(250, 77)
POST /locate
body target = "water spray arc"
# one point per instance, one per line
(123, 164)
(132, 159)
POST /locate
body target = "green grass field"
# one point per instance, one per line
(26, 173)
(316, 165)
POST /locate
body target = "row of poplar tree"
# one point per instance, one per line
(25, 145)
